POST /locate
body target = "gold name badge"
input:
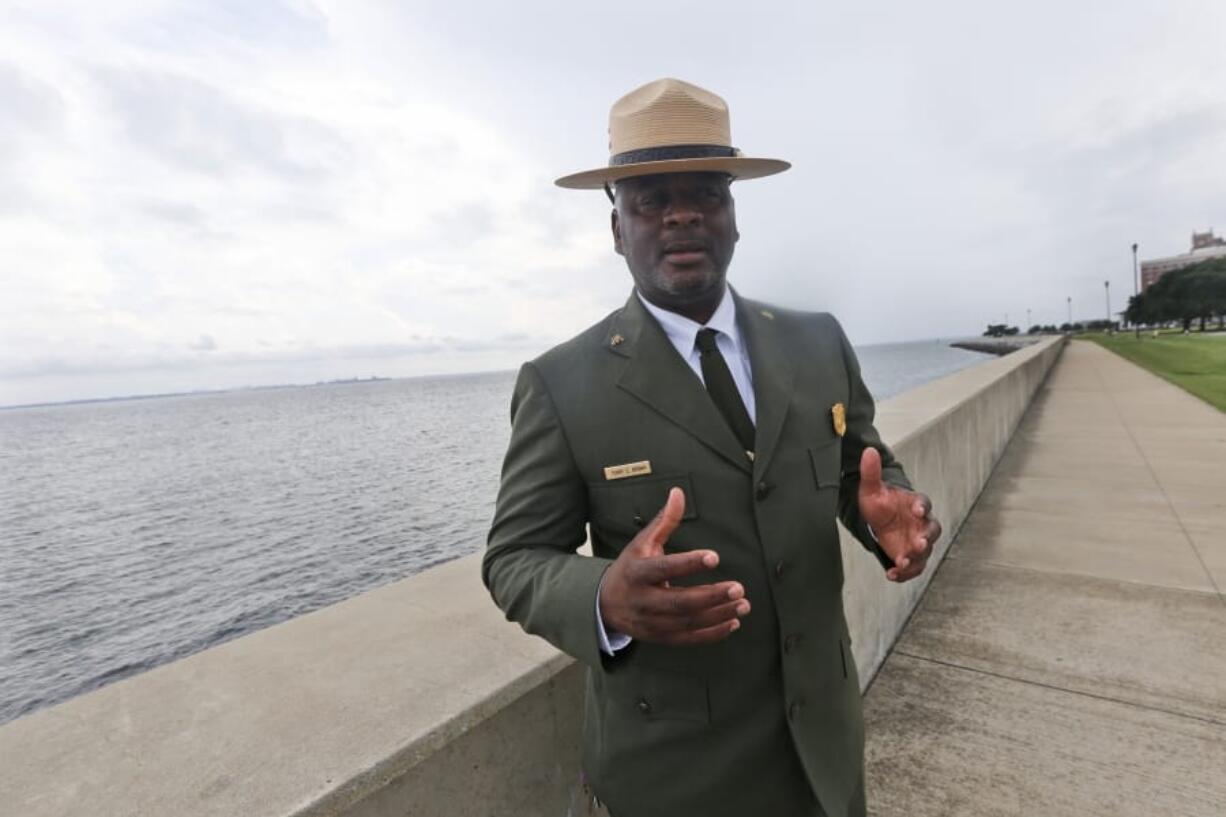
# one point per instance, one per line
(630, 469)
(839, 414)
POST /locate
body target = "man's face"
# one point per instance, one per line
(677, 232)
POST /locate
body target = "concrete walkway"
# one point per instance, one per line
(1069, 657)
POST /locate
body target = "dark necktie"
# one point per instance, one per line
(722, 388)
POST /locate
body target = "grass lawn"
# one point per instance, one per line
(1195, 363)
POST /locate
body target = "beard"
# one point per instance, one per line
(683, 282)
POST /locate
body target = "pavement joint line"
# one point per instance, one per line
(1183, 528)
(1055, 688)
(1076, 575)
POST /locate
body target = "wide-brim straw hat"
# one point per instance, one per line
(670, 126)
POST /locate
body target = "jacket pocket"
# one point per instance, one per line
(827, 463)
(649, 694)
(626, 505)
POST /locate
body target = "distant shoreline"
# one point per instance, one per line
(993, 346)
(378, 379)
(347, 381)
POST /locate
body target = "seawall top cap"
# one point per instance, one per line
(670, 126)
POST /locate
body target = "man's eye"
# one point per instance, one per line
(649, 202)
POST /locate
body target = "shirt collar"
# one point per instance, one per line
(682, 331)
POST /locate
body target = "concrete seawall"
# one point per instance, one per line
(418, 698)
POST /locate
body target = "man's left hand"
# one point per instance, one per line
(902, 520)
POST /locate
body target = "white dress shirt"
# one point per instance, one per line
(683, 333)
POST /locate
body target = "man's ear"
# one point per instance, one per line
(615, 224)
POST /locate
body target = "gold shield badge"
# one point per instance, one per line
(839, 414)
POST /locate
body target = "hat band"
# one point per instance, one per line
(667, 153)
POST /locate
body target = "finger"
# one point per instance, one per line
(902, 565)
(870, 470)
(699, 620)
(688, 601)
(911, 572)
(898, 575)
(932, 531)
(922, 506)
(923, 541)
(659, 569)
(706, 635)
(651, 539)
(931, 534)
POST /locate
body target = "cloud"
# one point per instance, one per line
(206, 343)
(28, 107)
(315, 186)
(200, 127)
(1131, 163)
(32, 112)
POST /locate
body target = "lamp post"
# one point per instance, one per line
(1028, 323)
(1136, 272)
(1136, 287)
(1107, 287)
(1070, 313)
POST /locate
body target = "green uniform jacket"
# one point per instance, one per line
(768, 719)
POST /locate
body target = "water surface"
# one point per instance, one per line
(136, 532)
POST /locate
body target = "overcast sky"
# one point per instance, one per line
(226, 193)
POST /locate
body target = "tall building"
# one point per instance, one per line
(1204, 246)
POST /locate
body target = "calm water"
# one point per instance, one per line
(133, 533)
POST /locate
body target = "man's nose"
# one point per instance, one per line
(682, 214)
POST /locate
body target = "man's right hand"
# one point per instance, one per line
(637, 599)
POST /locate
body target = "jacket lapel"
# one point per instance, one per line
(773, 376)
(656, 375)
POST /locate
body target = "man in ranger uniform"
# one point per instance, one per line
(709, 443)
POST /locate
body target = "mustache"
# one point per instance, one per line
(686, 245)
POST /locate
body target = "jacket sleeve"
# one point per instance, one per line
(531, 566)
(861, 434)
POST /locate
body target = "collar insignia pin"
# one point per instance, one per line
(766, 313)
(616, 340)
(838, 413)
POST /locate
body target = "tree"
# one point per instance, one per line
(1206, 292)
(1193, 293)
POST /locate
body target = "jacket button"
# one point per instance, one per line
(780, 567)
(795, 709)
(643, 706)
(763, 490)
(638, 521)
(791, 643)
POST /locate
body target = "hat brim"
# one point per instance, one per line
(739, 167)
